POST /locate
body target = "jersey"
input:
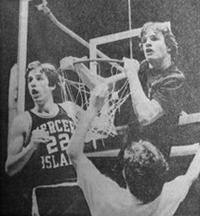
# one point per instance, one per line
(167, 88)
(106, 198)
(50, 163)
(49, 179)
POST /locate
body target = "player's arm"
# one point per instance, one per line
(17, 154)
(194, 168)
(76, 144)
(147, 111)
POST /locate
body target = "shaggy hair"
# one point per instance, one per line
(170, 40)
(46, 68)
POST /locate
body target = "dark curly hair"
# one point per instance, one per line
(169, 37)
(144, 175)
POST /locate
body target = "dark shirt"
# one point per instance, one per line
(166, 87)
(50, 164)
(48, 169)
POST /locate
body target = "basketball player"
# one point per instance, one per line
(144, 171)
(37, 148)
(156, 87)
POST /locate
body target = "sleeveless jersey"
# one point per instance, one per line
(50, 163)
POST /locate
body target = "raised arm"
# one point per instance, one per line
(17, 154)
(147, 110)
(76, 144)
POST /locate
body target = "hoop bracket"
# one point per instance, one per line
(43, 7)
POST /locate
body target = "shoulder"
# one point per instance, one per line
(180, 184)
(21, 123)
(173, 79)
(173, 193)
(22, 119)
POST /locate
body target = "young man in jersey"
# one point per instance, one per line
(37, 148)
(144, 171)
(156, 86)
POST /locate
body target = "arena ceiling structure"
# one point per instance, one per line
(91, 19)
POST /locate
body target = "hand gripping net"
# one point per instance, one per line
(77, 87)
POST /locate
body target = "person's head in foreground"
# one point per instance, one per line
(144, 170)
(158, 42)
(42, 80)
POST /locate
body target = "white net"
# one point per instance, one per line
(77, 87)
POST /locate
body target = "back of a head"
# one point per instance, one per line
(167, 33)
(145, 173)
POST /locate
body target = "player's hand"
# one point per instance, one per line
(67, 63)
(98, 97)
(131, 66)
(39, 137)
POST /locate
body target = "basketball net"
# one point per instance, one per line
(81, 86)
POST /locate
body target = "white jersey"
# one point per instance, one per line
(106, 198)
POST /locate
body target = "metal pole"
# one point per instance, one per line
(22, 52)
(130, 27)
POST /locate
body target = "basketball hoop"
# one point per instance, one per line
(107, 71)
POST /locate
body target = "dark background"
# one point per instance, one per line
(90, 19)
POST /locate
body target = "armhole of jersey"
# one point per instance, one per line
(29, 123)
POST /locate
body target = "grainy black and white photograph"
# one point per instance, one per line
(100, 107)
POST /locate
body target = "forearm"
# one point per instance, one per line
(16, 162)
(76, 144)
(147, 111)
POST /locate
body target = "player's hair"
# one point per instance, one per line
(169, 37)
(145, 176)
(48, 69)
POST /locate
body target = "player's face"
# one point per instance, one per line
(137, 151)
(38, 85)
(154, 47)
